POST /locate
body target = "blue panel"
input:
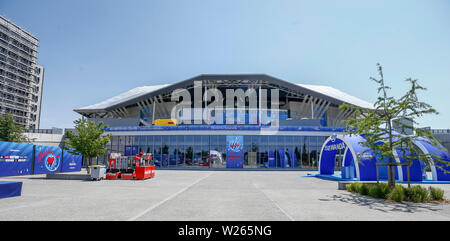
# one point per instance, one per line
(292, 158)
(443, 155)
(272, 162)
(15, 158)
(134, 150)
(281, 158)
(165, 160)
(47, 159)
(71, 163)
(349, 166)
(235, 152)
(348, 159)
(157, 159)
(128, 151)
(383, 170)
(415, 170)
(367, 163)
(131, 150)
(10, 189)
(328, 155)
(172, 159)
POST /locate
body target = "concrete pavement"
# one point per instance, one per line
(206, 195)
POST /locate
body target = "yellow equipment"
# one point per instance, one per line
(165, 122)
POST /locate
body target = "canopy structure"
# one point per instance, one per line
(297, 102)
(359, 162)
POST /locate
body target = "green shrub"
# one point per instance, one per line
(436, 193)
(354, 187)
(349, 187)
(379, 191)
(364, 189)
(416, 194)
(397, 193)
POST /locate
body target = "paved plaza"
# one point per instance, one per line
(206, 195)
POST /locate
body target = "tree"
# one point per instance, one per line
(376, 125)
(88, 140)
(10, 131)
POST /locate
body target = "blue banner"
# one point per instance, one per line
(235, 151)
(47, 159)
(131, 150)
(225, 128)
(15, 159)
(328, 155)
(271, 162)
(71, 163)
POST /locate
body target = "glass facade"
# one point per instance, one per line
(203, 151)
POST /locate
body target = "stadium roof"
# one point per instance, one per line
(140, 93)
(129, 95)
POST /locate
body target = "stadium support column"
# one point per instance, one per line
(206, 104)
(198, 103)
(154, 109)
(259, 105)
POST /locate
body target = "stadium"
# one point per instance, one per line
(265, 122)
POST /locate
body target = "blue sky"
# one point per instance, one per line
(95, 49)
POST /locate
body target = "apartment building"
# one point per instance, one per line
(21, 77)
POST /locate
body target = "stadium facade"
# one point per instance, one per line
(264, 122)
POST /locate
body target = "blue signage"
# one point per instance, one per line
(27, 159)
(47, 159)
(131, 150)
(71, 163)
(235, 152)
(15, 159)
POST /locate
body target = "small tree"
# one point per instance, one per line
(376, 125)
(10, 131)
(88, 140)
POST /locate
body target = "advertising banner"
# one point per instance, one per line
(71, 163)
(47, 159)
(328, 155)
(235, 152)
(15, 159)
(272, 162)
(131, 150)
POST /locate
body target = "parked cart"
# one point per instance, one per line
(113, 172)
(145, 167)
(97, 172)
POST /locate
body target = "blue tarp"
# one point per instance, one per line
(10, 189)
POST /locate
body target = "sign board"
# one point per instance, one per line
(235, 152)
(131, 150)
(47, 159)
(70, 163)
(15, 159)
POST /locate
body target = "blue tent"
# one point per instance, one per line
(359, 162)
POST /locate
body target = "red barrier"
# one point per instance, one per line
(127, 176)
(112, 175)
(145, 172)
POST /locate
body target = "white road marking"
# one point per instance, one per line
(168, 198)
(274, 203)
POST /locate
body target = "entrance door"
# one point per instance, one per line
(252, 160)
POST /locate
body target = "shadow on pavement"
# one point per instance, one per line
(383, 205)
